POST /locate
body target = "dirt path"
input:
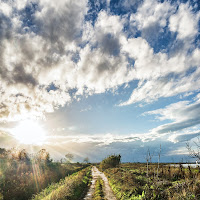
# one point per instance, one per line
(107, 192)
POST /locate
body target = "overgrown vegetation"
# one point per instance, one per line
(130, 181)
(22, 175)
(73, 187)
(99, 194)
(110, 161)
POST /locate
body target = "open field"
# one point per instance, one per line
(130, 181)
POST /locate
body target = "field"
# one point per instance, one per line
(36, 179)
(130, 181)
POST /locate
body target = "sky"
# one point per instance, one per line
(95, 78)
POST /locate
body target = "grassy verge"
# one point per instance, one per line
(72, 187)
(99, 194)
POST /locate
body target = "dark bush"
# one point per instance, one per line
(110, 161)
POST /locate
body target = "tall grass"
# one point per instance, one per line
(73, 187)
(19, 180)
(129, 182)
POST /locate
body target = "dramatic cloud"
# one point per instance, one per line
(53, 53)
(49, 48)
(163, 74)
(185, 121)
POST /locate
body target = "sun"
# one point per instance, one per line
(29, 132)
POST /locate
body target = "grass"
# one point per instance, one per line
(130, 182)
(99, 194)
(72, 187)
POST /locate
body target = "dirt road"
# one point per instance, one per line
(107, 190)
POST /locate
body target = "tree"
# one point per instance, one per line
(159, 153)
(148, 159)
(86, 160)
(69, 157)
(3, 152)
(43, 155)
(17, 154)
(195, 151)
(23, 155)
(110, 161)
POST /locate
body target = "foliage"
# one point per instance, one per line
(2, 152)
(69, 157)
(86, 160)
(21, 177)
(43, 155)
(72, 187)
(110, 161)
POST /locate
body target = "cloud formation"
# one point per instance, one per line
(49, 48)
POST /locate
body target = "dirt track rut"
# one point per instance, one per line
(107, 190)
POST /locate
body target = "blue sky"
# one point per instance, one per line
(101, 77)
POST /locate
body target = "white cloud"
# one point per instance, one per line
(151, 13)
(59, 51)
(184, 22)
(179, 151)
(163, 74)
(185, 121)
(109, 23)
(183, 137)
(160, 75)
(5, 9)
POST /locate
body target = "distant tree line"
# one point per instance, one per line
(41, 156)
(23, 155)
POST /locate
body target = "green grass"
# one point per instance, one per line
(99, 194)
(73, 187)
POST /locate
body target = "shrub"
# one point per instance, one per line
(110, 161)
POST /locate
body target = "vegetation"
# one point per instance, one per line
(194, 152)
(86, 160)
(72, 187)
(69, 157)
(99, 194)
(130, 181)
(110, 161)
(22, 175)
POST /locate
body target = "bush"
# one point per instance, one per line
(110, 162)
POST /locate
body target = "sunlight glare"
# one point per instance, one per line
(29, 132)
